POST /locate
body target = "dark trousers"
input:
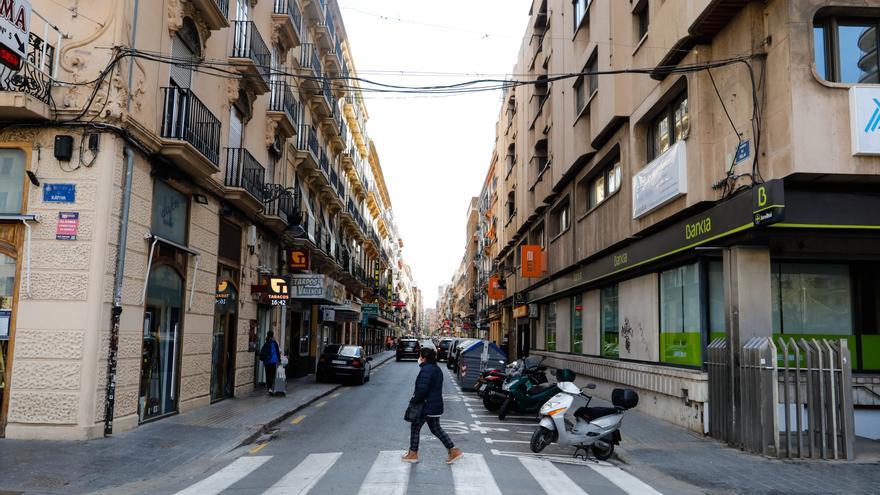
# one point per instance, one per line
(271, 369)
(434, 426)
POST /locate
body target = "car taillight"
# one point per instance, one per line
(323, 359)
(356, 363)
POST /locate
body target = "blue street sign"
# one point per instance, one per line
(59, 193)
(743, 151)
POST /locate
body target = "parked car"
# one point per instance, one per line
(408, 348)
(457, 346)
(344, 361)
(443, 347)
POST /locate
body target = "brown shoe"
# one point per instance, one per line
(410, 456)
(454, 455)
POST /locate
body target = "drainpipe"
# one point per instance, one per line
(116, 311)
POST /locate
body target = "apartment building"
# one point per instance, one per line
(711, 172)
(218, 182)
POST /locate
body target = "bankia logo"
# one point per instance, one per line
(874, 121)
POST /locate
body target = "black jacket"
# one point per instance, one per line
(429, 389)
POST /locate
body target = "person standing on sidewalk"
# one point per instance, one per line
(270, 355)
(429, 391)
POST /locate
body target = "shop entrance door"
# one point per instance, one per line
(264, 324)
(224, 343)
(7, 294)
(163, 314)
(523, 338)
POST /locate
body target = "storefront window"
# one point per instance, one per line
(550, 328)
(610, 318)
(163, 316)
(577, 325)
(717, 325)
(7, 288)
(11, 181)
(680, 339)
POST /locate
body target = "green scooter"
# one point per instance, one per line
(523, 395)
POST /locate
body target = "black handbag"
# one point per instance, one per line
(414, 412)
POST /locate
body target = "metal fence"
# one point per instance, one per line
(788, 398)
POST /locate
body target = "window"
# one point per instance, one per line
(608, 302)
(680, 323)
(11, 181)
(586, 84)
(577, 325)
(846, 49)
(668, 127)
(593, 78)
(811, 300)
(550, 328)
(717, 324)
(642, 19)
(511, 205)
(580, 12)
(605, 184)
(538, 237)
(560, 218)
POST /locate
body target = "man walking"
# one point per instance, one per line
(270, 355)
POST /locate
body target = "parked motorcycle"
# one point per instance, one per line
(522, 395)
(491, 382)
(595, 429)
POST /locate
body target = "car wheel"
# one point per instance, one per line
(361, 379)
(397, 359)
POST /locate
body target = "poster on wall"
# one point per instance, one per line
(68, 226)
(5, 317)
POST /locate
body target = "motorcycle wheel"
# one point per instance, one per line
(491, 405)
(603, 453)
(505, 408)
(541, 438)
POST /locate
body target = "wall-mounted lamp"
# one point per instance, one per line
(200, 199)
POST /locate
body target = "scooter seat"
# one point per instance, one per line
(591, 413)
(537, 389)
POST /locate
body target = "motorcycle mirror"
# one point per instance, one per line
(591, 386)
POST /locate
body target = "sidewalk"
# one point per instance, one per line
(716, 468)
(158, 447)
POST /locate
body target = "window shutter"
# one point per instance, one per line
(181, 75)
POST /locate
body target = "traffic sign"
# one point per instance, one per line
(15, 27)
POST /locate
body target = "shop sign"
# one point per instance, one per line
(68, 226)
(495, 291)
(328, 314)
(521, 311)
(223, 295)
(519, 299)
(370, 309)
(768, 201)
(5, 318)
(298, 259)
(533, 311)
(15, 27)
(278, 291)
(864, 115)
(533, 261)
(661, 181)
(304, 286)
(59, 193)
(169, 213)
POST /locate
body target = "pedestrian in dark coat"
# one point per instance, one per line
(270, 355)
(429, 391)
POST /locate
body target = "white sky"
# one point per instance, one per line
(435, 151)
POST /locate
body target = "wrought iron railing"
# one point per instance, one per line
(309, 59)
(223, 5)
(323, 162)
(282, 100)
(34, 77)
(307, 140)
(247, 43)
(245, 172)
(291, 8)
(186, 118)
(328, 95)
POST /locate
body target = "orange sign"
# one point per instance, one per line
(298, 259)
(521, 312)
(533, 261)
(495, 291)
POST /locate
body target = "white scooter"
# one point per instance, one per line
(595, 429)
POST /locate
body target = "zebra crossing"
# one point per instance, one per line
(471, 475)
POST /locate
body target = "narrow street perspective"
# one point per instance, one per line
(390, 247)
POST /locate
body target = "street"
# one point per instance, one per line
(351, 442)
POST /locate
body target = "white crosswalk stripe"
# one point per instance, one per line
(471, 476)
(625, 481)
(388, 475)
(550, 477)
(305, 475)
(226, 477)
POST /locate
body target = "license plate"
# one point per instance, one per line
(337, 361)
(484, 386)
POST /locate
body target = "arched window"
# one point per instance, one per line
(185, 46)
(11, 181)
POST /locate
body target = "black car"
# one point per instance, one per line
(344, 361)
(443, 348)
(408, 348)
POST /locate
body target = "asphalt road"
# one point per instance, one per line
(350, 443)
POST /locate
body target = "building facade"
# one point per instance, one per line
(146, 219)
(710, 170)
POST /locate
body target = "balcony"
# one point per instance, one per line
(334, 57)
(251, 56)
(284, 109)
(24, 94)
(190, 133)
(279, 207)
(244, 180)
(287, 21)
(311, 65)
(325, 102)
(214, 13)
(307, 148)
(314, 10)
(326, 29)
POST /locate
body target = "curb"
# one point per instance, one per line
(265, 427)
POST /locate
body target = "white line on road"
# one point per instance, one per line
(305, 475)
(226, 477)
(496, 416)
(389, 475)
(489, 440)
(471, 476)
(625, 481)
(550, 477)
(506, 423)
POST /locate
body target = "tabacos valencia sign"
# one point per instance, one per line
(15, 26)
(864, 114)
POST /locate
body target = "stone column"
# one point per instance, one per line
(748, 311)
